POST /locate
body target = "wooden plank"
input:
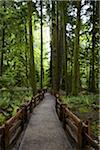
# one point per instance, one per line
(14, 127)
(1, 128)
(59, 102)
(91, 142)
(79, 135)
(6, 135)
(12, 119)
(71, 115)
(15, 135)
(71, 133)
(72, 125)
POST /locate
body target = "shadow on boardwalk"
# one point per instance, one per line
(44, 131)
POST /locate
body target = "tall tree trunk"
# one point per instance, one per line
(98, 40)
(3, 44)
(54, 48)
(26, 44)
(92, 70)
(41, 48)
(58, 48)
(75, 84)
(64, 45)
(32, 64)
(51, 77)
(65, 58)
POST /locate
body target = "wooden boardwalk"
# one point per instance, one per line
(44, 131)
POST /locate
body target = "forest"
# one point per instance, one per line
(54, 45)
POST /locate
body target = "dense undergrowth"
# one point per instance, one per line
(86, 107)
(10, 101)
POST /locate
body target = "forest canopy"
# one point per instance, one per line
(69, 34)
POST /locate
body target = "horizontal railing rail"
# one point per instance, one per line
(10, 131)
(78, 131)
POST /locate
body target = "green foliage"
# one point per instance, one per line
(11, 100)
(85, 107)
(2, 119)
(95, 127)
(84, 100)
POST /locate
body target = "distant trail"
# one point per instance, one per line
(44, 131)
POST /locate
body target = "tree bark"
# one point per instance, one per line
(26, 47)
(75, 84)
(64, 46)
(32, 64)
(41, 48)
(3, 45)
(54, 48)
(92, 59)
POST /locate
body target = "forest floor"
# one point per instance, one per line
(86, 107)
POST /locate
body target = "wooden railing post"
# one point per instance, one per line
(34, 102)
(2, 142)
(57, 97)
(31, 108)
(25, 113)
(6, 136)
(22, 118)
(42, 94)
(86, 130)
(39, 98)
(61, 112)
(88, 127)
(64, 116)
(56, 106)
(79, 136)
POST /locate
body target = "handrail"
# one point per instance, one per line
(71, 122)
(15, 125)
(91, 141)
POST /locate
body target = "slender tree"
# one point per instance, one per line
(26, 47)
(64, 44)
(54, 48)
(32, 64)
(41, 46)
(3, 43)
(75, 84)
(92, 87)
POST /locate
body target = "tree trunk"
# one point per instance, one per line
(32, 64)
(92, 61)
(26, 47)
(64, 46)
(3, 45)
(51, 77)
(54, 48)
(58, 48)
(75, 84)
(41, 48)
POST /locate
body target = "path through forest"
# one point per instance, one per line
(44, 131)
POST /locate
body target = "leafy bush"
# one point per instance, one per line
(2, 119)
(84, 100)
(11, 100)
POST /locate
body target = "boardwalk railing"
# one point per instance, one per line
(15, 125)
(78, 131)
